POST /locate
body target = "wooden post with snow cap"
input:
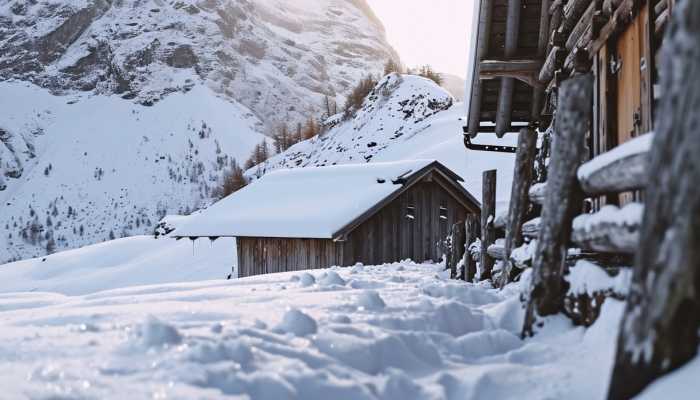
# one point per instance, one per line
(519, 199)
(660, 328)
(488, 214)
(456, 248)
(563, 200)
(471, 226)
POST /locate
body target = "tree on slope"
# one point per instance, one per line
(427, 71)
(233, 180)
(659, 331)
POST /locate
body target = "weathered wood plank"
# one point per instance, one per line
(563, 201)
(488, 211)
(624, 168)
(659, 329)
(610, 230)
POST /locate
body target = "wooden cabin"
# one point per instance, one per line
(311, 218)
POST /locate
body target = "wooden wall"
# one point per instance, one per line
(409, 227)
(257, 256)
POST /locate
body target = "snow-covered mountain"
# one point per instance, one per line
(404, 117)
(276, 57)
(116, 112)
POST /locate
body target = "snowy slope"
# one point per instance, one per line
(405, 117)
(395, 331)
(133, 261)
(108, 165)
(143, 103)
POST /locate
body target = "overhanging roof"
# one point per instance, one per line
(511, 43)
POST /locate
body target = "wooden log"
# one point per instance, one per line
(531, 228)
(538, 192)
(659, 329)
(583, 26)
(564, 199)
(573, 11)
(624, 168)
(497, 251)
(519, 200)
(471, 233)
(483, 39)
(488, 211)
(505, 98)
(523, 70)
(456, 247)
(610, 230)
(554, 61)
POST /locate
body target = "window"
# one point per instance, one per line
(411, 212)
(443, 213)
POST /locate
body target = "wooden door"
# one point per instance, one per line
(633, 65)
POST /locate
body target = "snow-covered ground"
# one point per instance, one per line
(133, 261)
(394, 331)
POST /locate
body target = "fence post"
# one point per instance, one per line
(519, 199)
(488, 215)
(471, 226)
(563, 199)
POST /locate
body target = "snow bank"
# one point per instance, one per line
(135, 261)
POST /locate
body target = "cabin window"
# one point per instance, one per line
(443, 213)
(411, 212)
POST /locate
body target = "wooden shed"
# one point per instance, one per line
(311, 218)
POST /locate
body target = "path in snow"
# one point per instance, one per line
(396, 331)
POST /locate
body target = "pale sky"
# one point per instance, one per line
(434, 32)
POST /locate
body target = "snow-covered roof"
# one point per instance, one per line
(313, 202)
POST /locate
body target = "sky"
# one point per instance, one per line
(434, 32)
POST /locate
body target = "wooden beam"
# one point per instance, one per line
(483, 39)
(505, 99)
(564, 199)
(488, 214)
(523, 70)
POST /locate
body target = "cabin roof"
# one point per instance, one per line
(319, 202)
(507, 31)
